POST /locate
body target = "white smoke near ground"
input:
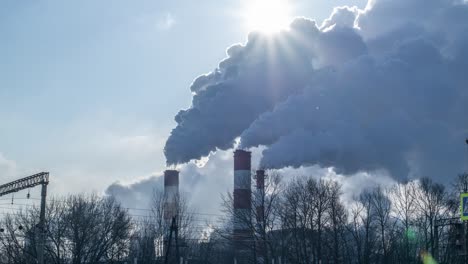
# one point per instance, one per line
(351, 185)
(203, 186)
(136, 194)
(384, 88)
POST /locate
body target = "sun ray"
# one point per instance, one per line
(267, 16)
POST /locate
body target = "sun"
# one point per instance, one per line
(268, 16)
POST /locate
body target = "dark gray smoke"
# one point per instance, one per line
(381, 88)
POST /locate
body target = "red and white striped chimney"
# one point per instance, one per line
(171, 194)
(242, 198)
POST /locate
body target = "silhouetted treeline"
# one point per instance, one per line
(91, 229)
(79, 229)
(304, 220)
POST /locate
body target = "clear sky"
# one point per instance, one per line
(89, 89)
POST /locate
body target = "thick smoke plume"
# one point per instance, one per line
(381, 88)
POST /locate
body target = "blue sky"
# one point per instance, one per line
(88, 89)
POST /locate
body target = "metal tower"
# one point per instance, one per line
(42, 179)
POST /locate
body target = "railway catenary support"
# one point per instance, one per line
(42, 179)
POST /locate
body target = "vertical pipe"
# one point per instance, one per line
(242, 201)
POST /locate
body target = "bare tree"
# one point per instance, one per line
(321, 202)
(184, 215)
(22, 232)
(431, 203)
(297, 219)
(94, 227)
(314, 219)
(80, 229)
(381, 207)
(355, 228)
(143, 242)
(338, 219)
(265, 211)
(148, 240)
(404, 208)
(56, 231)
(259, 223)
(460, 184)
(367, 218)
(13, 240)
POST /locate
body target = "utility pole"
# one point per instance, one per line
(41, 244)
(26, 183)
(174, 229)
(176, 232)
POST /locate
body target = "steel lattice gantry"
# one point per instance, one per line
(24, 183)
(42, 179)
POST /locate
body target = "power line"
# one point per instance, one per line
(129, 208)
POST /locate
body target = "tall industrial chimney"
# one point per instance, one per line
(171, 198)
(242, 201)
(171, 194)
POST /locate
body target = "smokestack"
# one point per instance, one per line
(260, 178)
(242, 198)
(260, 211)
(171, 194)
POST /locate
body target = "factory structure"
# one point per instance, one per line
(245, 238)
(242, 234)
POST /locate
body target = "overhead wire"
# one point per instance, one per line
(201, 222)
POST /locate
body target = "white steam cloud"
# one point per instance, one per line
(380, 88)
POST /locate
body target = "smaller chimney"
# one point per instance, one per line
(260, 194)
(260, 211)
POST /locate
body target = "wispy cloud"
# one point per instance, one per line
(166, 22)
